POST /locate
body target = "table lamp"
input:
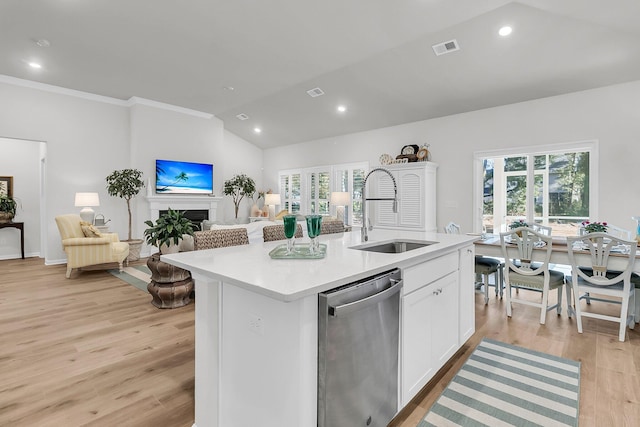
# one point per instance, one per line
(272, 200)
(340, 199)
(87, 200)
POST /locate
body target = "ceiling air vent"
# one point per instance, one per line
(446, 47)
(315, 92)
(242, 116)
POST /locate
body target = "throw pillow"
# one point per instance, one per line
(282, 213)
(89, 230)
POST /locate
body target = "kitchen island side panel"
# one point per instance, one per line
(268, 360)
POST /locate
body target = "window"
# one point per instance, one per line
(290, 191)
(319, 186)
(309, 190)
(553, 187)
(349, 178)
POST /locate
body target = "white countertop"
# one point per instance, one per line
(251, 267)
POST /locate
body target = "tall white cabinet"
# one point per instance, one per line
(416, 184)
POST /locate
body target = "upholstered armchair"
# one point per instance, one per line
(83, 251)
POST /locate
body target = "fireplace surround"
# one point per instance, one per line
(184, 203)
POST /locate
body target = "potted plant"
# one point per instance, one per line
(8, 207)
(594, 227)
(168, 230)
(126, 184)
(238, 187)
(517, 224)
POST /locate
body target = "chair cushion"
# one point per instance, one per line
(635, 278)
(556, 280)
(120, 247)
(486, 265)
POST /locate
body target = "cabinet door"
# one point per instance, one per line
(411, 198)
(384, 215)
(444, 320)
(417, 368)
(467, 294)
(416, 184)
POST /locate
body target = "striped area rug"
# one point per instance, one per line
(138, 276)
(505, 385)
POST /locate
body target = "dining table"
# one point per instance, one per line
(489, 245)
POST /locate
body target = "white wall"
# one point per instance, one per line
(85, 141)
(241, 157)
(610, 115)
(87, 137)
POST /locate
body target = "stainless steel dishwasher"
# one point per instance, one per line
(358, 333)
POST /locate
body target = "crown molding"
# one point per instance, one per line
(134, 100)
(61, 90)
(99, 98)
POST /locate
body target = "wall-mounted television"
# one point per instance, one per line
(173, 177)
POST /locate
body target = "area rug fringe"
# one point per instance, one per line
(506, 385)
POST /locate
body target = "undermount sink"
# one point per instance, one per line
(394, 246)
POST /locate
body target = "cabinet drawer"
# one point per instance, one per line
(420, 275)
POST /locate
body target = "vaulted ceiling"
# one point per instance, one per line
(375, 57)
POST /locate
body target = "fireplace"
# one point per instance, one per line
(198, 208)
(196, 216)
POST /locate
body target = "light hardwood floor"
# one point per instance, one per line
(92, 350)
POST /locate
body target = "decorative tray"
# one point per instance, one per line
(300, 251)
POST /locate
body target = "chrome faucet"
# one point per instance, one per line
(367, 225)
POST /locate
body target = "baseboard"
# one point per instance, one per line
(18, 255)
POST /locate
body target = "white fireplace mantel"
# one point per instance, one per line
(183, 203)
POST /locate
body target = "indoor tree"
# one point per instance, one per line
(238, 187)
(125, 184)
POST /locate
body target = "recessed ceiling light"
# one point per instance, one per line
(341, 108)
(34, 65)
(43, 43)
(242, 116)
(257, 130)
(505, 31)
(229, 88)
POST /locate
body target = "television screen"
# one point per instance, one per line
(174, 177)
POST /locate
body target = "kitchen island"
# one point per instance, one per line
(257, 321)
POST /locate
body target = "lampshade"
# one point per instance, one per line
(272, 199)
(87, 200)
(339, 198)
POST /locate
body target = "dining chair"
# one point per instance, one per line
(223, 238)
(521, 273)
(331, 226)
(544, 229)
(484, 267)
(596, 278)
(276, 232)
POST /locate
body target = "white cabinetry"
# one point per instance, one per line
(416, 183)
(429, 320)
(467, 293)
(436, 317)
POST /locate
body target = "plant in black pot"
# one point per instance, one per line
(8, 207)
(168, 230)
(126, 184)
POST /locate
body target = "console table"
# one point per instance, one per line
(19, 226)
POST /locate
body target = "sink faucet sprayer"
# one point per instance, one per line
(367, 225)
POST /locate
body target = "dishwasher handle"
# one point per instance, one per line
(365, 302)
